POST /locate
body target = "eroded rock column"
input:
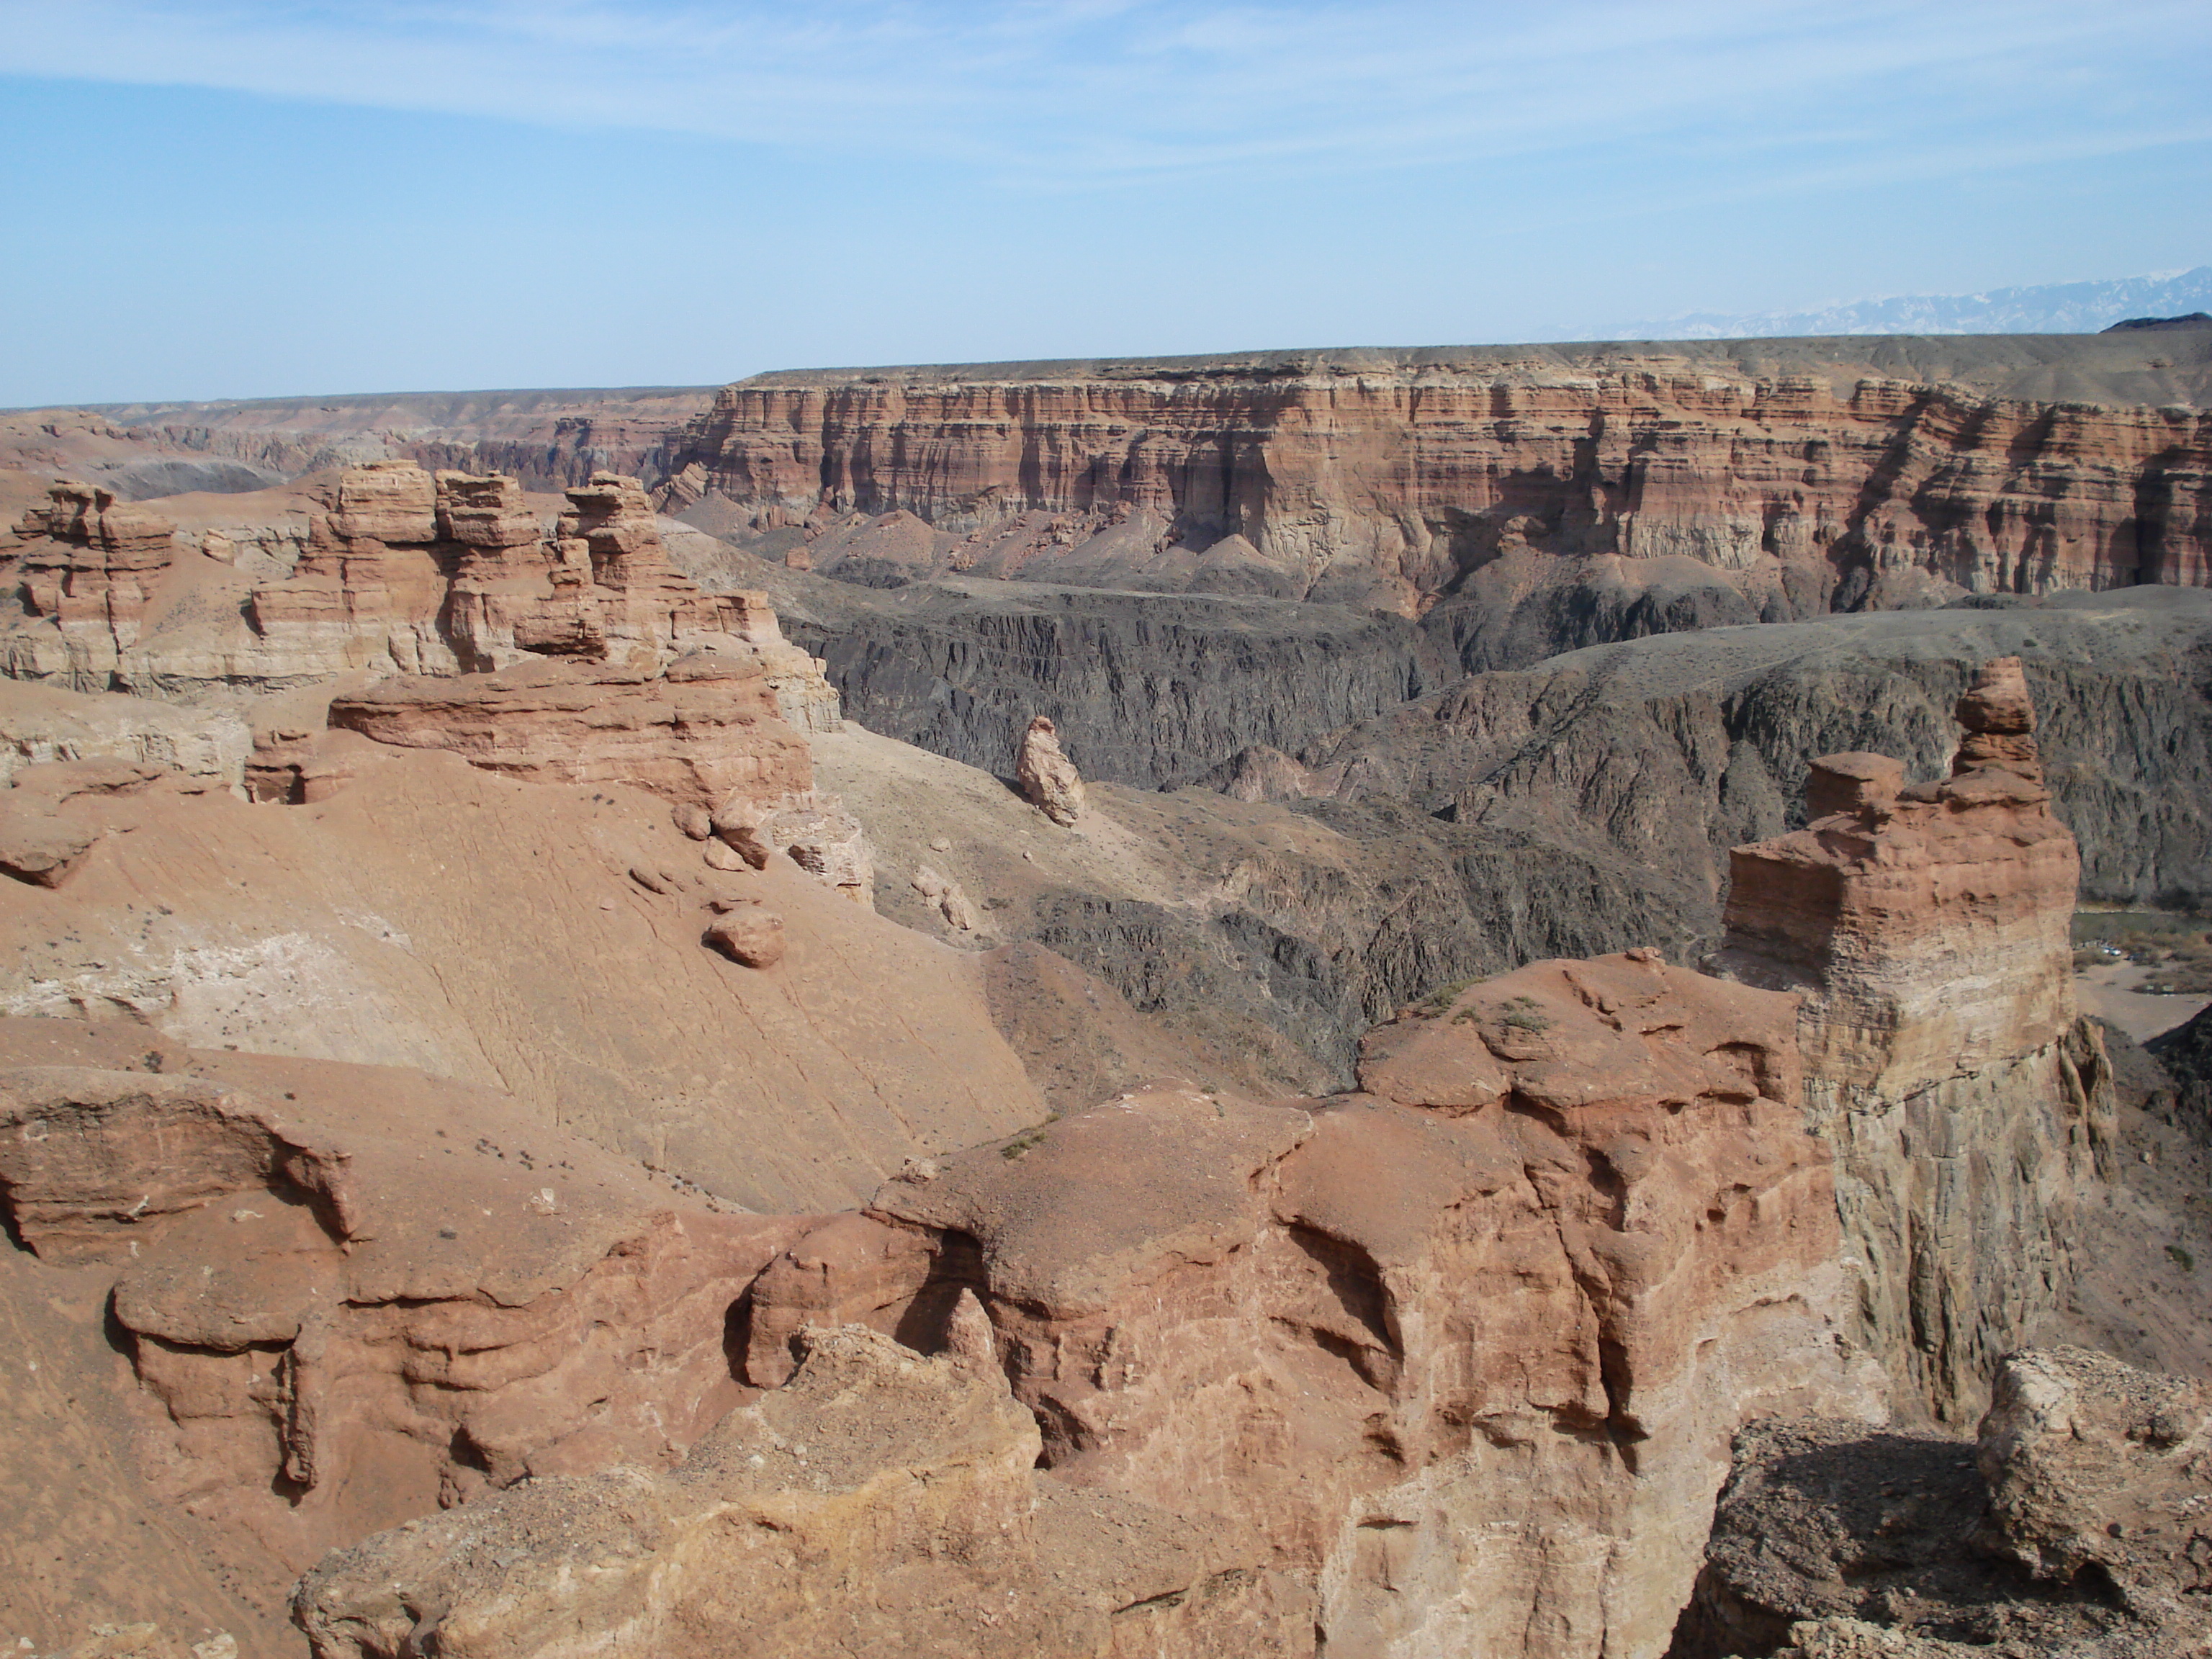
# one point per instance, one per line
(1925, 927)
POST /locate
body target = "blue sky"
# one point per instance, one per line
(234, 199)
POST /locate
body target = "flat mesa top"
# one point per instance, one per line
(2149, 366)
(354, 409)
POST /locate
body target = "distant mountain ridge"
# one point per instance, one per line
(2048, 308)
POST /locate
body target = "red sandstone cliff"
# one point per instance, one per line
(406, 572)
(1391, 474)
(1925, 927)
(1464, 1349)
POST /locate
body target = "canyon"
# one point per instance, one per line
(1352, 1003)
(1761, 482)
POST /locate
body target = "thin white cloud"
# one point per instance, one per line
(1087, 91)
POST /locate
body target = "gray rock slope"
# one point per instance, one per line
(1582, 804)
(1672, 749)
(1153, 690)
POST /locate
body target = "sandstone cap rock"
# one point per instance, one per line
(1850, 782)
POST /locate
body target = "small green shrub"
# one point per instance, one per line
(1441, 998)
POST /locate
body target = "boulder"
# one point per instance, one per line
(2100, 1473)
(813, 832)
(946, 896)
(2078, 1522)
(749, 937)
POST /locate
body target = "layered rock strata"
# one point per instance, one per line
(92, 563)
(1929, 923)
(883, 1502)
(406, 571)
(375, 1296)
(1391, 475)
(39, 725)
(1465, 1347)
(548, 440)
(1925, 927)
(438, 574)
(696, 734)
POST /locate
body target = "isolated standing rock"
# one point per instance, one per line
(1047, 777)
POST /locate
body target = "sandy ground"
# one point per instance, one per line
(2109, 993)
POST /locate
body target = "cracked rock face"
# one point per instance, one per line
(1521, 1289)
(879, 1502)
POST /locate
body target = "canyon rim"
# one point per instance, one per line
(1357, 1004)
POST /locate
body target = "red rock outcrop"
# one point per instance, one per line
(381, 1294)
(1926, 928)
(406, 572)
(369, 586)
(705, 730)
(1466, 1348)
(1391, 473)
(1927, 924)
(704, 733)
(38, 846)
(881, 1503)
(41, 841)
(91, 562)
(454, 571)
